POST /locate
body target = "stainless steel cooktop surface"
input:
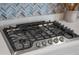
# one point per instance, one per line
(27, 37)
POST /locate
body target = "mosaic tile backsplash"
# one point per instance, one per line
(16, 10)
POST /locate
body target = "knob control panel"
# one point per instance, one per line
(47, 42)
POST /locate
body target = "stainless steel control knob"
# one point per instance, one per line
(55, 40)
(38, 44)
(50, 41)
(61, 39)
(44, 43)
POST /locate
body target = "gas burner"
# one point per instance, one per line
(32, 36)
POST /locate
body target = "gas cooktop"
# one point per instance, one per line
(26, 37)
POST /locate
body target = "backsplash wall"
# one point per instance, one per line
(16, 10)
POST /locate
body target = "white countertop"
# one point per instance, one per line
(67, 48)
